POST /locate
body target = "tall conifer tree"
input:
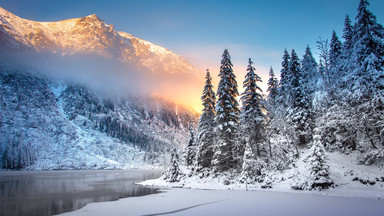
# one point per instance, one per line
(363, 68)
(299, 106)
(309, 71)
(205, 134)
(369, 45)
(273, 85)
(346, 63)
(252, 116)
(284, 80)
(190, 149)
(227, 116)
(335, 55)
(347, 35)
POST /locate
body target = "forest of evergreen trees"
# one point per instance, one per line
(335, 104)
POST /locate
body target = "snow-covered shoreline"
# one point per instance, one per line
(349, 179)
(353, 190)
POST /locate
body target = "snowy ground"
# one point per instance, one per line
(351, 179)
(220, 202)
(211, 197)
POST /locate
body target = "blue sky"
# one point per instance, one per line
(201, 30)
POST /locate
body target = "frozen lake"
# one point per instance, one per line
(54, 192)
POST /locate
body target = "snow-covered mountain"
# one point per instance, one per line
(88, 35)
(56, 123)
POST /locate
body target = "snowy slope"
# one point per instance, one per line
(90, 35)
(49, 125)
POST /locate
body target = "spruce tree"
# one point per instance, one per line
(347, 36)
(299, 105)
(252, 116)
(205, 134)
(173, 173)
(346, 63)
(335, 55)
(309, 71)
(368, 53)
(227, 117)
(272, 107)
(273, 85)
(284, 85)
(317, 160)
(285, 66)
(252, 168)
(190, 149)
(295, 78)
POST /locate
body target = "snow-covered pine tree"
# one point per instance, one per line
(299, 115)
(272, 107)
(252, 168)
(345, 66)
(284, 85)
(368, 54)
(273, 85)
(317, 161)
(335, 59)
(295, 76)
(227, 117)
(190, 149)
(252, 117)
(205, 129)
(173, 174)
(335, 54)
(348, 37)
(309, 71)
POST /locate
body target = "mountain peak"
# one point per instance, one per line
(91, 35)
(93, 17)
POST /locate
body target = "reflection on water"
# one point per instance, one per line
(54, 192)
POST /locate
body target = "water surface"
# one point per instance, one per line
(40, 193)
